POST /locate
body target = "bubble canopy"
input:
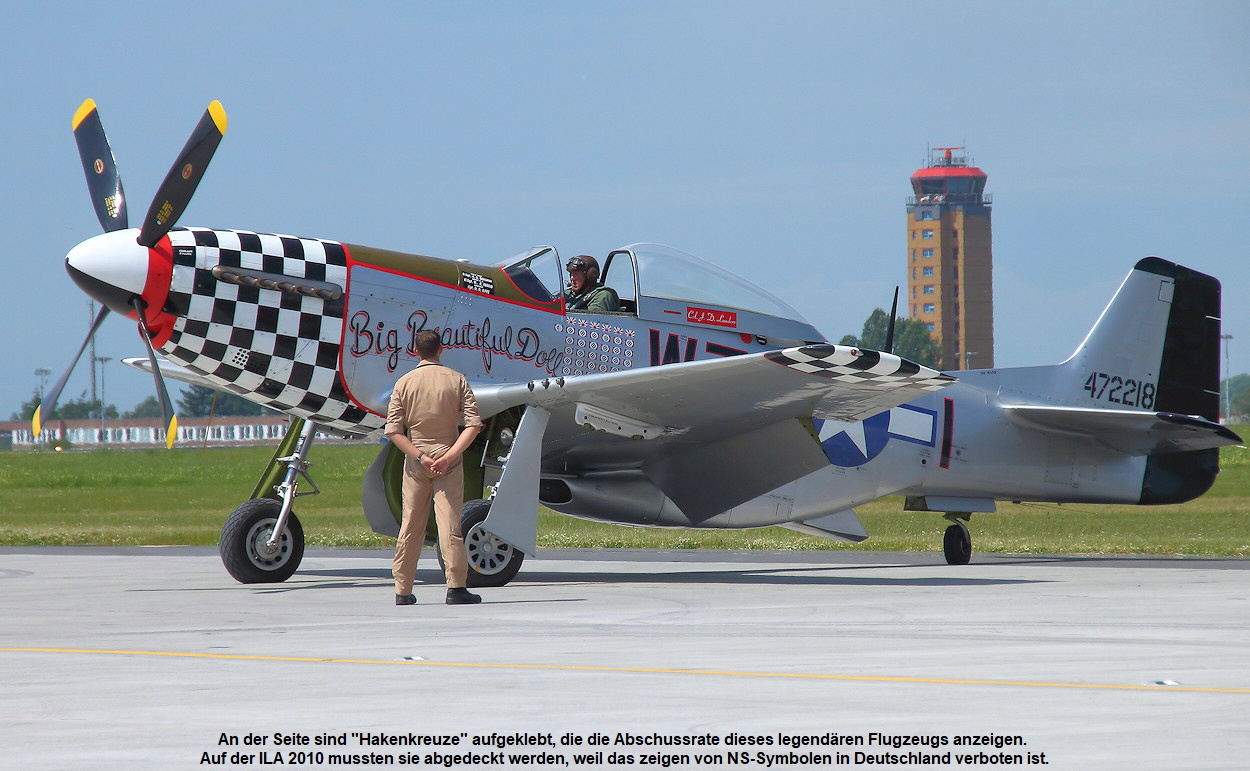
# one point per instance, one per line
(659, 272)
(670, 273)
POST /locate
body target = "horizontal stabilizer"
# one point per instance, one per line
(1128, 431)
(842, 526)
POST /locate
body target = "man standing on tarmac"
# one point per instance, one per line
(432, 419)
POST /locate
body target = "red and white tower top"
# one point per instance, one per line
(949, 179)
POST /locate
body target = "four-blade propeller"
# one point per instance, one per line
(171, 199)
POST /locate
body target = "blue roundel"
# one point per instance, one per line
(857, 443)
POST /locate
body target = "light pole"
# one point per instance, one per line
(968, 359)
(1228, 395)
(42, 373)
(102, 360)
(91, 318)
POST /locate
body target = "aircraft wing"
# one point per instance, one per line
(721, 396)
(1128, 431)
(713, 433)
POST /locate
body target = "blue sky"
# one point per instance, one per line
(775, 139)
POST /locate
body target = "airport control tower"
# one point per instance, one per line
(950, 260)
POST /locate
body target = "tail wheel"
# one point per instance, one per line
(245, 549)
(492, 562)
(957, 544)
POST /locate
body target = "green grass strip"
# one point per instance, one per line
(182, 497)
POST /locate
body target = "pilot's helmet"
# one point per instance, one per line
(585, 263)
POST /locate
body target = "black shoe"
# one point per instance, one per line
(405, 599)
(462, 596)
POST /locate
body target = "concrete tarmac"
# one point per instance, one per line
(154, 658)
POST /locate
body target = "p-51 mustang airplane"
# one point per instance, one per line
(704, 403)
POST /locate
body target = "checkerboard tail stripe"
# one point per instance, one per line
(857, 366)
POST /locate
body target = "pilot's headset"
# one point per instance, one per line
(587, 263)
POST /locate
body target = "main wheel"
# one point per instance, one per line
(957, 544)
(492, 562)
(245, 549)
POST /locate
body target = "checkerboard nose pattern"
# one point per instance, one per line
(274, 338)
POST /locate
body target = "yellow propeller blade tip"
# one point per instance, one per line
(35, 423)
(219, 115)
(171, 433)
(85, 109)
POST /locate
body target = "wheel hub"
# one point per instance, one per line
(260, 551)
(487, 554)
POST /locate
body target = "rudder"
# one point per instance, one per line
(1189, 382)
(1189, 373)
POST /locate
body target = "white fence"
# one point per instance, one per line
(192, 432)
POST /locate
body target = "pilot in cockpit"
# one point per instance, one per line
(584, 293)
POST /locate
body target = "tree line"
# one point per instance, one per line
(194, 402)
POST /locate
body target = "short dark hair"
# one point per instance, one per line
(429, 343)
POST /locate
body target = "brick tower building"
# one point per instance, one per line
(950, 284)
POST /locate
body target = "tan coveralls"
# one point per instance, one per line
(430, 404)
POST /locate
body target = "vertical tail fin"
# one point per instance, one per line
(1156, 346)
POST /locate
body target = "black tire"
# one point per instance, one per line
(492, 562)
(243, 539)
(957, 544)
